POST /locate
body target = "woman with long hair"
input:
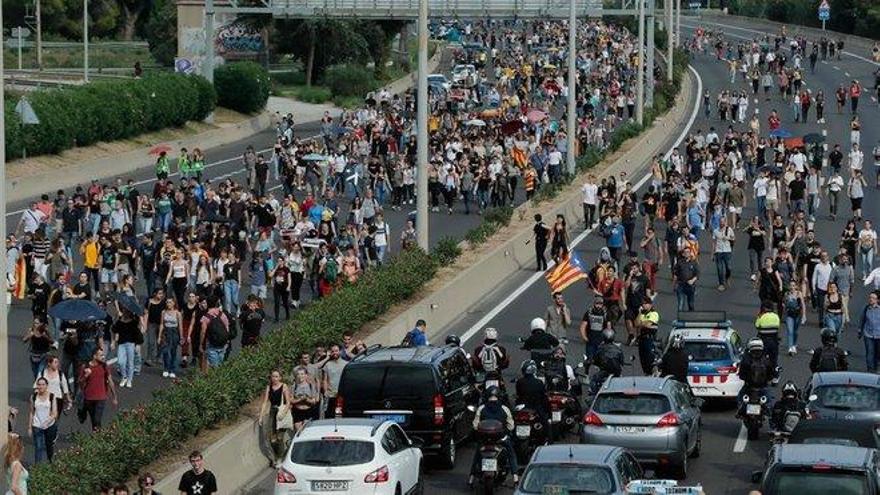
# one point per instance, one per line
(42, 421)
(305, 398)
(275, 397)
(170, 336)
(16, 475)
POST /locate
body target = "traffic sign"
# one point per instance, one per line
(13, 43)
(824, 11)
(26, 112)
(20, 32)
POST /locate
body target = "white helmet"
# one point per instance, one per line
(539, 323)
(491, 333)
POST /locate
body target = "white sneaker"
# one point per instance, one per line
(172, 375)
(122, 382)
(128, 384)
(164, 374)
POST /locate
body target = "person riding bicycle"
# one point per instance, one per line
(647, 324)
(531, 392)
(490, 356)
(828, 357)
(790, 401)
(493, 408)
(675, 360)
(756, 369)
(540, 343)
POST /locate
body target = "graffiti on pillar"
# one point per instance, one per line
(239, 38)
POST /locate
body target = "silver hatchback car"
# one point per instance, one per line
(656, 419)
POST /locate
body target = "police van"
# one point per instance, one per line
(714, 352)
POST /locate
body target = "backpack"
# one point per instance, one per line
(828, 359)
(758, 373)
(218, 334)
(489, 358)
(331, 269)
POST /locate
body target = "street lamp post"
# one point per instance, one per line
(4, 333)
(86, 40)
(649, 70)
(640, 78)
(669, 7)
(422, 129)
(571, 122)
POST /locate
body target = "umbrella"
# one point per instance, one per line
(780, 133)
(340, 130)
(129, 304)
(160, 148)
(314, 157)
(814, 138)
(771, 169)
(794, 142)
(77, 309)
(550, 67)
(536, 115)
(511, 127)
(476, 123)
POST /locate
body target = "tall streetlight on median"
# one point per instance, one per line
(571, 121)
(422, 129)
(4, 330)
(86, 40)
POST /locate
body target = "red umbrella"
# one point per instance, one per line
(159, 149)
(795, 142)
(536, 115)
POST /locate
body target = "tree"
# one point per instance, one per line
(161, 31)
(131, 11)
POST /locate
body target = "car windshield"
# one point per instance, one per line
(646, 404)
(846, 442)
(701, 352)
(389, 382)
(819, 483)
(849, 397)
(331, 452)
(574, 478)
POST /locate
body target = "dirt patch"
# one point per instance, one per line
(42, 164)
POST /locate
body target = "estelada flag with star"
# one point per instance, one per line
(569, 270)
(20, 284)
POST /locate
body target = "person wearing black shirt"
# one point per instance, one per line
(82, 289)
(126, 337)
(231, 283)
(109, 261)
(147, 252)
(40, 298)
(797, 193)
(542, 235)
(198, 480)
(835, 158)
(251, 317)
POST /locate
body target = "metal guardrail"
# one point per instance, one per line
(408, 9)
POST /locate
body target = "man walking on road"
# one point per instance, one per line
(558, 316)
(542, 235)
(684, 278)
(869, 329)
(722, 241)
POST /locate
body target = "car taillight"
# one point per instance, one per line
(339, 403)
(592, 419)
(378, 476)
(557, 400)
(439, 404)
(284, 476)
(668, 419)
(523, 416)
(726, 370)
(821, 467)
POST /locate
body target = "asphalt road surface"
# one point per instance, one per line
(728, 457)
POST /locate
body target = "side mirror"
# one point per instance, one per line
(698, 402)
(416, 443)
(812, 397)
(471, 408)
(756, 476)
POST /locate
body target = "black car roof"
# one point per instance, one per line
(832, 455)
(859, 431)
(846, 378)
(413, 355)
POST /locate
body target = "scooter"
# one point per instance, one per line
(753, 410)
(493, 465)
(493, 379)
(789, 422)
(530, 432)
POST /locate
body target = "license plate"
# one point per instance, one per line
(329, 486)
(631, 429)
(556, 416)
(490, 465)
(523, 431)
(491, 383)
(753, 409)
(394, 418)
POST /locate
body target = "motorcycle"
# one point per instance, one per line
(492, 379)
(493, 465)
(789, 422)
(541, 356)
(530, 432)
(565, 411)
(753, 410)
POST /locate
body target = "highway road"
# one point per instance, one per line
(728, 457)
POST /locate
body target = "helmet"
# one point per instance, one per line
(491, 333)
(493, 391)
(529, 367)
(755, 345)
(608, 335)
(828, 336)
(789, 389)
(677, 341)
(454, 340)
(539, 324)
(559, 349)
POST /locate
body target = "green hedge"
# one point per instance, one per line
(349, 80)
(242, 86)
(140, 436)
(858, 17)
(106, 111)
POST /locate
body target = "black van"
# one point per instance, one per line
(426, 390)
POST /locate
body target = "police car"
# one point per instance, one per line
(714, 350)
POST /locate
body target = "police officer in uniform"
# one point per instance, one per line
(609, 360)
(675, 361)
(647, 323)
(767, 325)
(540, 343)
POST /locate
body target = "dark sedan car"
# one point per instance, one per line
(843, 395)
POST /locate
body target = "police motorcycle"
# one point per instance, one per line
(754, 400)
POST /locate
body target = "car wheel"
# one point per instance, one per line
(698, 445)
(447, 454)
(753, 432)
(419, 488)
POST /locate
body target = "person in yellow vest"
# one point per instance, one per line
(647, 324)
(768, 324)
(197, 164)
(90, 250)
(183, 164)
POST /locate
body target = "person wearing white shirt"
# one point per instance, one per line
(835, 185)
(712, 136)
(873, 278)
(867, 247)
(821, 277)
(381, 236)
(591, 192)
(856, 158)
(31, 219)
(760, 187)
(799, 160)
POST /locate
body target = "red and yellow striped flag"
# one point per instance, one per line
(569, 270)
(20, 288)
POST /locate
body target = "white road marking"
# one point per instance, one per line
(741, 440)
(824, 132)
(583, 235)
(846, 74)
(836, 68)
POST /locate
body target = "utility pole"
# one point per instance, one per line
(422, 128)
(571, 122)
(39, 19)
(4, 330)
(208, 62)
(86, 40)
(649, 76)
(669, 7)
(640, 77)
(678, 23)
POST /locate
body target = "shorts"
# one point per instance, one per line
(737, 210)
(856, 203)
(108, 276)
(772, 204)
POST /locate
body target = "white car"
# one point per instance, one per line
(464, 74)
(714, 353)
(350, 455)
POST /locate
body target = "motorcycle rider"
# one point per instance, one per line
(609, 360)
(675, 361)
(790, 401)
(767, 325)
(594, 322)
(540, 343)
(492, 408)
(557, 367)
(647, 324)
(455, 341)
(531, 392)
(755, 370)
(828, 357)
(490, 356)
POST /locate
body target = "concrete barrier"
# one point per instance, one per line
(81, 173)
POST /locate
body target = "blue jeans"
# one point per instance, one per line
(872, 346)
(792, 325)
(834, 322)
(722, 267)
(215, 355)
(126, 357)
(230, 295)
(44, 443)
(94, 222)
(38, 362)
(380, 253)
(685, 294)
(169, 354)
(164, 221)
(761, 203)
